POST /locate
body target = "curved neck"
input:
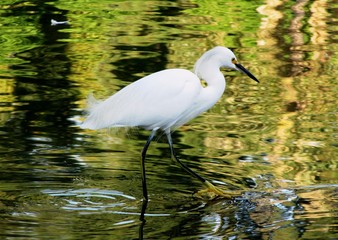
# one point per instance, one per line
(212, 75)
(215, 85)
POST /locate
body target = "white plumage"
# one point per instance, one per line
(166, 99)
(148, 102)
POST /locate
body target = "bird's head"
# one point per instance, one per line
(223, 57)
(230, 61)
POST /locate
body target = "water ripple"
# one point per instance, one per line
(89, 199)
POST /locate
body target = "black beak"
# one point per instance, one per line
(244, 70)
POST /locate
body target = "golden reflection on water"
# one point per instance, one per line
(262, 138)
(299, 84)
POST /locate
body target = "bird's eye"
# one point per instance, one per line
(233, 60)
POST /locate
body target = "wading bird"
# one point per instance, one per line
(166, 100)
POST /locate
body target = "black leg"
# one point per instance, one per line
(185, 167)
(142, 219)
(210, 186)
(143, 169)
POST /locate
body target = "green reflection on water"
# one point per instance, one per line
(276, 140)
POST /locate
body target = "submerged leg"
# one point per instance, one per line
(209, 185)
(143, 169)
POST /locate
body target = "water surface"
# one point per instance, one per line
(275, 143)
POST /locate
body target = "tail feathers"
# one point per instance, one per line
(90, 123)
(101, 114)
(91, 102)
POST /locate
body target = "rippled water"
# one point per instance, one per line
(273, 143)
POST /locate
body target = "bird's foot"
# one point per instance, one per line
(213, 192)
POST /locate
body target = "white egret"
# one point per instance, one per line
(166, 100)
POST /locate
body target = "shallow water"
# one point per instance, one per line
(273, 143)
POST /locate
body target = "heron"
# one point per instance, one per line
(165, 100)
